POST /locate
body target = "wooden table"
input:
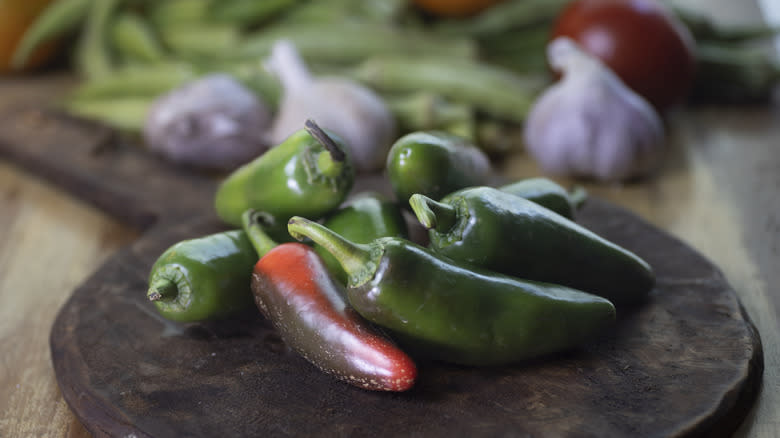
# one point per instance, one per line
(719, 191)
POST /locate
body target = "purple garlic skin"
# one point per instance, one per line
(211, 123)
(353, 112)
(590, 124)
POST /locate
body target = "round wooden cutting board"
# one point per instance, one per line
(686, 363)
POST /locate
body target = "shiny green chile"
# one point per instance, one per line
(453, 312)
(505, 233)
(309, 174)
(435, 164)
(366, 217)
(205, 278)
(547, 193)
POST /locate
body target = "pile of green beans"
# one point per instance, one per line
(129, 52)
(467, 76)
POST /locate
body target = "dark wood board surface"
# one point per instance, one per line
(688, 363)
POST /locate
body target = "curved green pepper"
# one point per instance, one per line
(366, 217)
(505, 233)
(309, 174)
(435, 163)
(549, 194)
(456, 313)
(204, 278)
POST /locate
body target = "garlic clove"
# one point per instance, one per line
(213, 122)
(353, 112)
(590, 124)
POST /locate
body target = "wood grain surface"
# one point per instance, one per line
(718, 192)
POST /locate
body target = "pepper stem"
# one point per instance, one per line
(578, 196)
(327, 166)
(433, 214)
(354, 258)
(254, 222)
(162, 289)
(337, 154)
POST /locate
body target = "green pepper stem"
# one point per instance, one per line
(327, 166)
(433, 214)
(354, 258)
(254, 223)
(162, 289)
(578, 196)
(337, 154)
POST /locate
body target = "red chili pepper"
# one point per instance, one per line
(295, 292)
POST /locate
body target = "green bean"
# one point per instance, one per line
(249, 12)
(138, 81)
(423, 111)
(56, 19)
(520, 50)
(203, 40)
(490, 89)
(134, 37)
(93, 57)
(127, 114)
(366, 11)
(704, 29)
(169, 13)
(503, 17)
(353, 42)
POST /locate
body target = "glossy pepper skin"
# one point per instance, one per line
(367, 216)
(434, 163)
(549, 194)
(206, 278)
(310, 173)
(294, 290)
(454, 312)
(508, 234)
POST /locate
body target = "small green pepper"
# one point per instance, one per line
(310, 173)
(204, 278)
(366, 217)
(454, 312)
(505, 233)
(549, 194)
(435, 163)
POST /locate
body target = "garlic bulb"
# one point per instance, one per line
(353, 112)
(213, 122)
(590, 124)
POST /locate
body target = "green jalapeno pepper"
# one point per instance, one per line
(204, 278)
(505, 233)
(310, 173)
(435, 163)
(366, 217)
(549, 194)
(454, 312)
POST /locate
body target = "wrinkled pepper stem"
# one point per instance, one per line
(355, 259)
(433, 214)
(254, 222)
(336, 153)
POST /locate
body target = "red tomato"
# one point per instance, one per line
(640, 40)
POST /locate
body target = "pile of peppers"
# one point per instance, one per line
(504, 274)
